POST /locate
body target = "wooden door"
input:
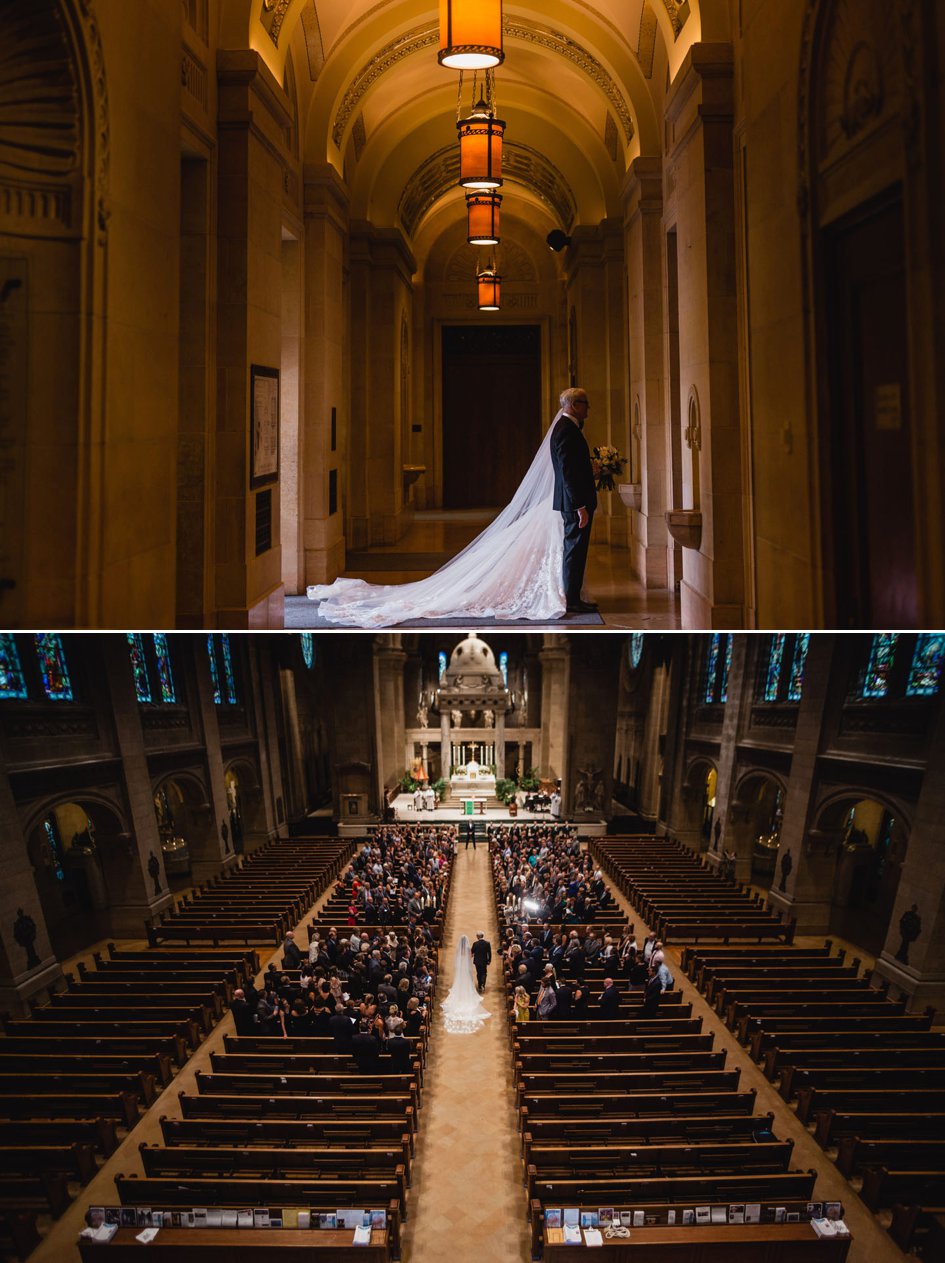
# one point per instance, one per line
(870, 488)
(492, 422)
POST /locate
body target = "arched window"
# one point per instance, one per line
(782, 672)
(139, 666)
(443, 664)
(635, 650)
(504, 668)
(308, 648)
(903, 666)
(162, 660)
(151, 667)
(925, 670)
(717, 667)
(12, 679)
(880, 665)
(221, 669)
(775, 659)
(57, 683)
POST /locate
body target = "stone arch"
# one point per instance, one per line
(753, 828)
(854, 849)
(699, 792)
(53, 231)
(246, 808)
(192, 820)
(89, 873)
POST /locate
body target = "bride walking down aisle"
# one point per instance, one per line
(463, 1009)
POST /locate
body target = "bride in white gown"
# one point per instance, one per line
(463, 1010)
(511, 571)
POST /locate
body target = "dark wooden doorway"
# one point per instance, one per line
(491, 411)
(871, 502)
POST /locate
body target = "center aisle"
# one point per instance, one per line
(467, 1202)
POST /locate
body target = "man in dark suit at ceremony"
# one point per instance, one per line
(609, 1000)
(575, 495)
(481, 952)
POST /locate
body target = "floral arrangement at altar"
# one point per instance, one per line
(611, 464)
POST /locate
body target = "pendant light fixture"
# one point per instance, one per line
(470, 34)
(482, 218)
(489, 285)
(480, 138)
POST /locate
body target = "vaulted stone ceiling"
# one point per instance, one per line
(581, 90)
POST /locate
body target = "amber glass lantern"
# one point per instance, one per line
(490, 287)
(482, 218)
(480, 149)
(470, 34)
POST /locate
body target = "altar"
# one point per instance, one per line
(473, 780)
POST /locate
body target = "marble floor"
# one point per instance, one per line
(437, 535)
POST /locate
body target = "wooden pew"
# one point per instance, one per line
(388, 1105)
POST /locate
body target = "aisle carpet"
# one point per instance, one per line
(301, 614)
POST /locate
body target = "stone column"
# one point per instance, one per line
(643, 234)
(808, 882)
(500, 744)
(739, 695)
(648, 784)
(144, 893)
(27, 963)
(382, 268)
(700, 209)
(913, 958)
(555, 658)
(324, 446)
(213, 768)
(253, 118)
(595, 264)
(389, 660)
(262, 668)
(446, 758)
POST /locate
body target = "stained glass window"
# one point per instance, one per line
(925, 672)
(635, 650)
(723, 691)
(775, 658)
(162, 657)
(882, 652)
(228, 670)
(52, 665)
(504, 668)
(308, 648)
(55, 847)
(798, 663)
(214, 673)
(12, 679)
(442, 660)
(711, 666)
(139, 666)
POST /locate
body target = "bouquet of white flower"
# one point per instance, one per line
(610, 465)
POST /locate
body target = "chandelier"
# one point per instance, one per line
(470, 34)
(482, 218)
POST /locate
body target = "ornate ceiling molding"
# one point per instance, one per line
(520, 165)
(646, 45)
(314, 47)
(423, 37)
(272, 17)
(579, 56)
(678, 11)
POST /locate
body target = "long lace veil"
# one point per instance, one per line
(463, 1009)
(511, 570)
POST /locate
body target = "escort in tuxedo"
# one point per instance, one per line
(575, 495)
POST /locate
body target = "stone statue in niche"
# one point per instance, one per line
(154, 872)
(456, 718)
(488, 718)
(910, 927)
(24, 934)
(589, 792)
(423, 715)
(787, 864)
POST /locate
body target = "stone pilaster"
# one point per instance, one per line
(325, 421)
(253, 118)
(555, 659)
(213, 753)
(739, 696)
(643, 236)
(389, 660)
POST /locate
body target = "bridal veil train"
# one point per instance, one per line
(463, 1010)
(512, 570)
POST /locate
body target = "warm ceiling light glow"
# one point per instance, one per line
(470, 34)
(480, 149)
(482, 216)
(490, 286)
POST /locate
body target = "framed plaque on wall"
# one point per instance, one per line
(263, 425)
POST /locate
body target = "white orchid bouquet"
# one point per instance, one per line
(610, 466)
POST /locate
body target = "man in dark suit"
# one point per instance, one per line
(575, 495)
(244, 1017)
(482, 957)
(609, 1000)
